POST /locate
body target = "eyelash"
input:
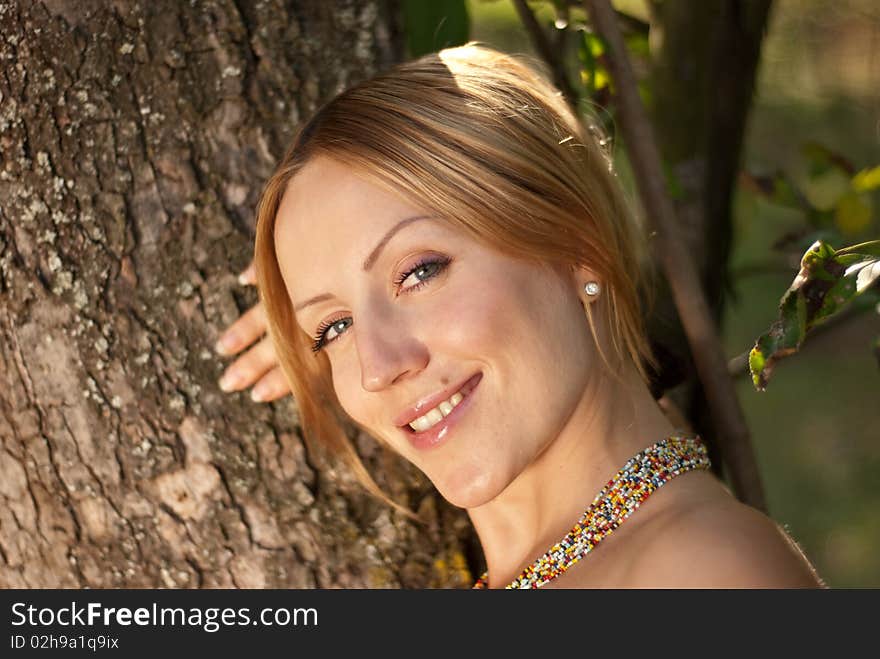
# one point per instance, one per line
(441, 263)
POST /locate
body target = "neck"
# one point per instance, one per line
(612, 422)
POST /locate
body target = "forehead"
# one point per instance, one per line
(325, 191)
(330, 217)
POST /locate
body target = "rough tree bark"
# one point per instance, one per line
(703, 79)
(134, 138)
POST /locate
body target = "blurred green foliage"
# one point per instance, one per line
(816, 429)
(430, 26)
(836, 205)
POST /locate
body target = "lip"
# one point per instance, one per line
(430, 402)
(433, 435)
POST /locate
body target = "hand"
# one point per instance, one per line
(260, 363)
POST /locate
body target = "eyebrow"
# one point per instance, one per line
(371, 259)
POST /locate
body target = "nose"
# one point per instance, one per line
(388, 351)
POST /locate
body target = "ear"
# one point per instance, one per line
(588, 284)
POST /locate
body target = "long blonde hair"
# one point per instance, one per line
(483, 140)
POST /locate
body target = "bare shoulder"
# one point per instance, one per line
(719, 544)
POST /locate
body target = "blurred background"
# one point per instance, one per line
(129, 172)
(817, 426)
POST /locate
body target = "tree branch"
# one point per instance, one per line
(549, 54)
(738, 366)
(733, 434)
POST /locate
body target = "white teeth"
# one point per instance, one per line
(421, 424)
(436, 415)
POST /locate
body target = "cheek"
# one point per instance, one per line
(533, 329)
(469, 323)
(346, 380)
(527, 328)
(523, 315)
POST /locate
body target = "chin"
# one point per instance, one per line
(469, 487)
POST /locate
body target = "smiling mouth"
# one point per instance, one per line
(436, 415)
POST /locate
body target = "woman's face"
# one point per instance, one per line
(415, 315)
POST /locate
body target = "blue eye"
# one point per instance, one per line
(328, 332)
(423, 271)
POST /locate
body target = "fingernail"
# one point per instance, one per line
(242, 279)
(259, 393)
(225, 344)
(229, 381)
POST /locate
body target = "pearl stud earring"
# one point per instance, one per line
(591, 288)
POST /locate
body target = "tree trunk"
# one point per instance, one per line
(134, 138)
(703, 78)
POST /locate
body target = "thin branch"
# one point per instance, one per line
(738, 366)
(550, 55)
(765, 267)
(734, 439)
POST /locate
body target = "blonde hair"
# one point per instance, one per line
(483, 140)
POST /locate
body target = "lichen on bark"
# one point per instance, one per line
(134, 139)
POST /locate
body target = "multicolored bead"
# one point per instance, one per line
(621, 496)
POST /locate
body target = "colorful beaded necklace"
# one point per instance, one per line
(639, 477)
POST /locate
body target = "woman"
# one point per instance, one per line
(445, 258)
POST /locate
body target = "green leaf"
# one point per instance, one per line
(785, 194)
(867, 180)
(776, 188)
(593, 75)
(823, 189)
(853, 213)
(638, 45)
(597, 48)
(821, 219)
(827, 283)
(870, 248)
(588, 63)
(782, 339)
(821, 159)
(432, 26)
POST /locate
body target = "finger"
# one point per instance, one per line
(249, 275)
(243, 332)
(248, 368)
(271, 386)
